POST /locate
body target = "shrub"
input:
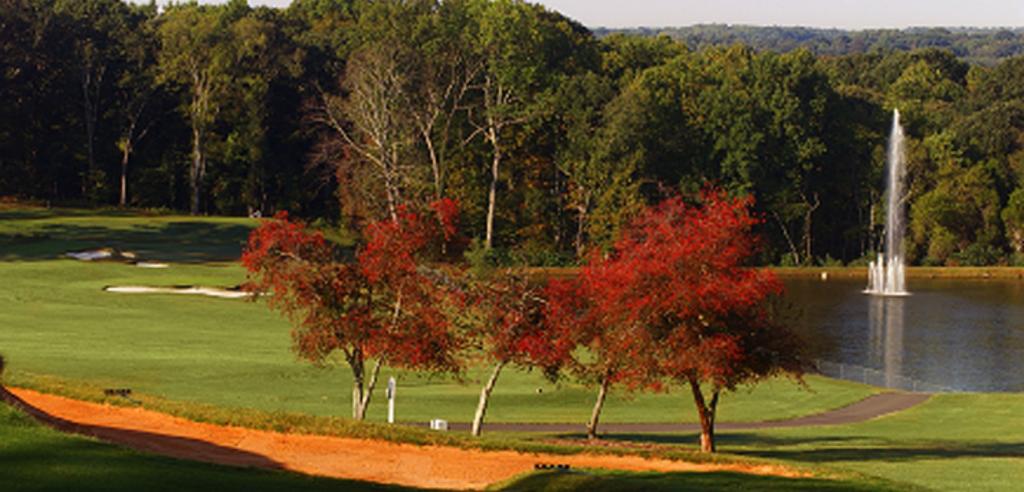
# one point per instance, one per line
(863, 260)
(481, 259)
(538, 254)
(829, 261)
(978, 254)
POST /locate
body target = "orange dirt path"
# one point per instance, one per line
(356, 459)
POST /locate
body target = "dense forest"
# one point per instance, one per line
(549, 136)
(985, 46)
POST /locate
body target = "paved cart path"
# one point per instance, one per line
(377, 461)
(871, 407)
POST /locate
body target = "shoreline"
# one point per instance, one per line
(979, 273)
(859, 272)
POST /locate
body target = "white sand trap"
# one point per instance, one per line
(151, 264)
(91, 255)
(201, 291)
(100, 254)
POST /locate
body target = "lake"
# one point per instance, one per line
(948, 335)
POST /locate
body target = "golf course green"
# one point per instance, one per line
(61, 332)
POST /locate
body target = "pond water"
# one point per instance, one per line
(948, 335)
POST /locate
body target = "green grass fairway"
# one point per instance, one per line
(57, 321)
(605, 481)
(36, 458)
(57, 327)
(952, 442)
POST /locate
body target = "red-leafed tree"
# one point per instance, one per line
(383, 306)
(676, 300)
(511, 330)
(611, 354)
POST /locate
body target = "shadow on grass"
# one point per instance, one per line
(826, 449)
(34, 459)
(35, 213)
(179, 242)
(821, 449)
(697, 481)
(178, 447)
(892, 452)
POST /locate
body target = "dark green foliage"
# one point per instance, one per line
(549, 136)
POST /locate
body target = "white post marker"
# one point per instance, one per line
(391, 400)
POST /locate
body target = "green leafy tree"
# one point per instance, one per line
(512, 44)
(1013, 219)
(196, 53)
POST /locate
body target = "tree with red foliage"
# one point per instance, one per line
(384, 306)
(511, 330)
(674, 300)
(577, 314)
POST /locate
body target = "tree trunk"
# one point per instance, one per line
(492, 195)
(91, 116)
(199, 112)
(706, 412)
(435, 163)
(481, 407)
(356, 363)
(598, 405)
(808, 238)
(789, 240)
(389, 194)
(196, 170)
(125, 155)
(360, 397)
(365, 403)
(581, 225)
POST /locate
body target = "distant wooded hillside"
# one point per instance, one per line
(985, 46)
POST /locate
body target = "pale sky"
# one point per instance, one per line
(845, 14)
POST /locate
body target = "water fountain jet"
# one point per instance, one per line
(886, 276)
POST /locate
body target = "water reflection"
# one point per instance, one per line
(960, 335)
(885, 324)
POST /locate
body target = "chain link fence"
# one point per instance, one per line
(876, 377)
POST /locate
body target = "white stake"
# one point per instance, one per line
(391, 400)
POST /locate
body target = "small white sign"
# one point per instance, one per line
(439, 424)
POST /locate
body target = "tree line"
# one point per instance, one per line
(550, 138)
(986, 46)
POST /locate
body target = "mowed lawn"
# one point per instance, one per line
(55, 320)
(952, 442)
(57, 326)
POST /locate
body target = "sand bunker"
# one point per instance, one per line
(92, 254)
(192, 290)
(112, 254)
